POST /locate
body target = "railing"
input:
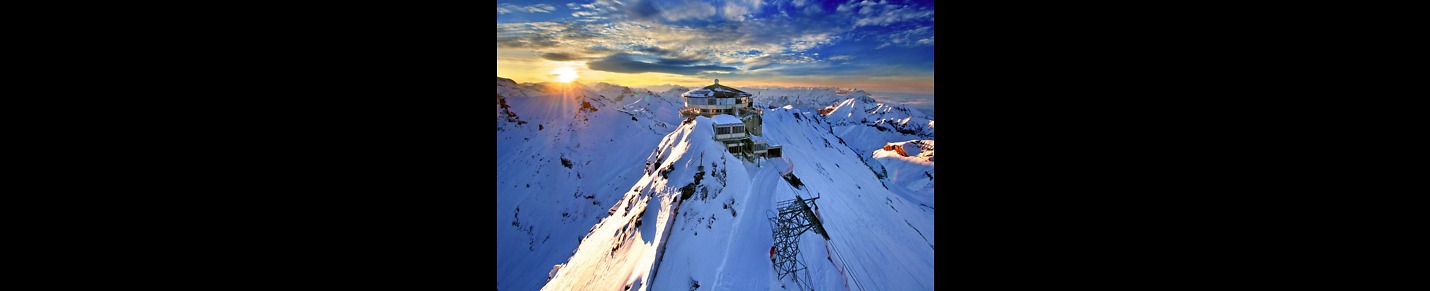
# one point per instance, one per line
(689, 112)
(716, 106)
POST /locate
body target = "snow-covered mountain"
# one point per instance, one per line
(803, 98)
(719, 235)
(863, 123)
(864, 110)
(564, 155)
(606, 187)
(909, 164)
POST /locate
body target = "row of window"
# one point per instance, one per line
(772, 153)
(718, 101)
(729, 130)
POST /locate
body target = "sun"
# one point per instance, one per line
(564, 74)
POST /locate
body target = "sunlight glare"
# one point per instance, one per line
(564, 74)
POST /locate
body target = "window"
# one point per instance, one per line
(722, 130)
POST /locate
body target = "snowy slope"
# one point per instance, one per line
(866, 125)
(719, 237)
(564, 154)
(889, 239)
(621, 250)
(910, 175)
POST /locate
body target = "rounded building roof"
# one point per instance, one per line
(716, 90)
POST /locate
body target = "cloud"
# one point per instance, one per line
(884, 15)
(676, 61)
(729, 42)
(809, 41)
(909, 38)
(767, 61)
(560, 57)
(545, 34)
(601, 9)
(524, 35)
(651, 49)
(667, 10)
(690, 11)
(767, 40)
(538, 8)
(737, 9)
(726, 45)
(626, 63)
(641, 9)
(813, 10)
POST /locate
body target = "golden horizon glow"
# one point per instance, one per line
(528, 67)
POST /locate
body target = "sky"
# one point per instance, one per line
(884, 47)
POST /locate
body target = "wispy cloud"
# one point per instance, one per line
(727, 42)
(766, 61)
(883, 12)
(574, 6)
(736, 10)
(538, 8)
(693, 11)
(545, 34)
(909, 38)
(811, 9)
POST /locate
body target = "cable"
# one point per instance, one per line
(852, 275)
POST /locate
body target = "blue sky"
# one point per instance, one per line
(877, 46)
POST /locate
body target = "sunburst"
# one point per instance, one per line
(564, 74)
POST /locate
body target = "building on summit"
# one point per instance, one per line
(737, 120)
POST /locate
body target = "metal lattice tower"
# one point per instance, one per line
(794, 218)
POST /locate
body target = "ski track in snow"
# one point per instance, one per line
(758, 200)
